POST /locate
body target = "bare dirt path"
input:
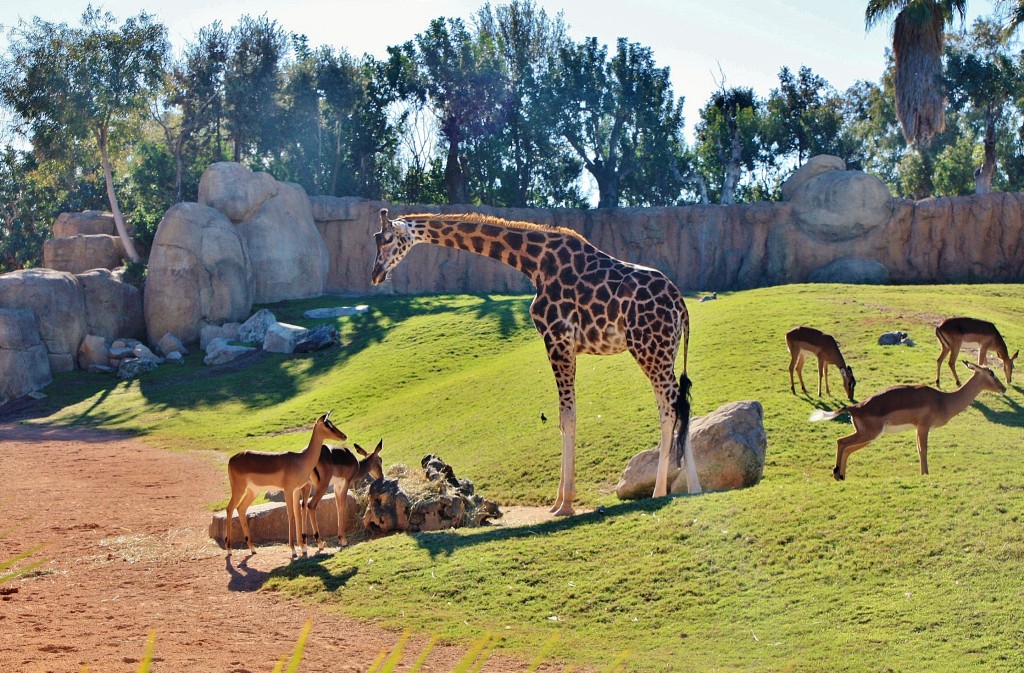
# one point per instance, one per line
(126, 551)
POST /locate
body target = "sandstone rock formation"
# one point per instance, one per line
(282, 337)
(76, 254)
(199, 272)
(113, 309)
(275, 219)
(729, 448)
(269, 522)
(85, 223)
(57, 301)
(24, 365)
(958, 239)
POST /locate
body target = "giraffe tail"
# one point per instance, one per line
(681, 440)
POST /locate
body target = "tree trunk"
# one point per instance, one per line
(108, 175)
(732, 166)
(454, 178)
(983, 176)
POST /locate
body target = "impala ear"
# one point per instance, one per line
(1015, 355)
(360, 450)
(970, 365)
(380, 445)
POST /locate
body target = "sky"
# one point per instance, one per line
(705, 44)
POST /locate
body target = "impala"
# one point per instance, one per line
(251, 472)
(339, 463)
(955, 333)
(905, 407)
(804, 341)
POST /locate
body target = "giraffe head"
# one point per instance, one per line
(393, 242)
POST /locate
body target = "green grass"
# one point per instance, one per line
(888, 571)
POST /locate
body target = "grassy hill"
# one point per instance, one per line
(888, 571)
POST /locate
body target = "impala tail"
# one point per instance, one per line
(822, 415)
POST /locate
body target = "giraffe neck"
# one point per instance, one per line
(532, 252)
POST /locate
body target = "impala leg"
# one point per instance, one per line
(295, 522)
(847, 445)
(822, 373)
(247, 499)
(953, 352)
(793, 358)
(800, 372)
(922, 448)
(938, 363)
(309, 511)
(341, 504)
(983, 356)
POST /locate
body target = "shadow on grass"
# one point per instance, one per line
(446, 543)
(313, 567)
(1011, 418)
(259, 379)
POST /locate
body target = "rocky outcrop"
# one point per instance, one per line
(57, 301)
(289, 258)
(85, 223)
(729, 448)
(199, 272)
(24, 366)
(113, 308)
(76, 254)
(976, 238)
(269, 522)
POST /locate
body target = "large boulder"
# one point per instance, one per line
(254, 329)
(289, 258)
(57, 301)
(24, 366)
(269, 522)
(76, 254)
(282, 337)
(198, 271)
(113, 308)
(841, 205)
(815, 166)
(85, 223)
(234, 190)
(729, 448)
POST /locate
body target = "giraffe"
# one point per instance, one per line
(587, 302)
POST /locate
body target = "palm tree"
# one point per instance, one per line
(917, 41)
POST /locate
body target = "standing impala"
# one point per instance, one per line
(955, 333)
(251, 472)
(338, 463)
(905, 407)
(804, 341)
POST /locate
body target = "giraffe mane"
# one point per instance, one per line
(480, 218)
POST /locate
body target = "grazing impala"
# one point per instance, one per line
(905, 407)
(251, 472)
(339, 463)
(955, 333)
(804, 341)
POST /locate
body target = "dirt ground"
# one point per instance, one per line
(126, 550)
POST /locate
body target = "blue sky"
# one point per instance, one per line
(745, 42)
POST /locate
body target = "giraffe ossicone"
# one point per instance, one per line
(587, 302)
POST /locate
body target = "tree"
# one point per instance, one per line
(805, 116)
(193, 96)
(25, 211)
(983, 77)
(530, 161)
(727, 138)
(614, 112)
(92, 82)
(918, 35)
(252, 84)
(459, 78)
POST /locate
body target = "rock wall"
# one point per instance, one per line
(946, 240)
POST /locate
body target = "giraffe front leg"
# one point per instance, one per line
(563, 363)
